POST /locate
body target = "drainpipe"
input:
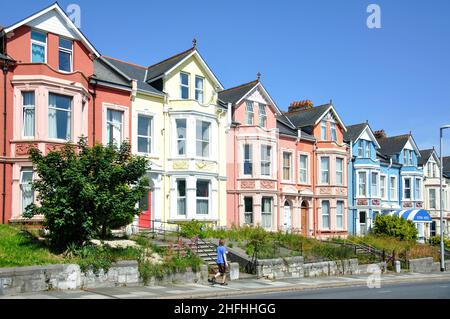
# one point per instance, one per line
(5, 72)
(94, 96)
(315, 208)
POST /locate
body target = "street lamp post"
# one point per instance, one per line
(442, 197)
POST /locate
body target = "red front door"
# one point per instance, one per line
(145, 206)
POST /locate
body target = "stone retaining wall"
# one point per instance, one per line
(426, 265)
(295, 267)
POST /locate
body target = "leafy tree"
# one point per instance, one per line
(395, 226)
(85, 192)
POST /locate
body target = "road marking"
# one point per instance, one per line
(384, 291)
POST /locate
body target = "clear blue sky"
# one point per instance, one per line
(397, 77)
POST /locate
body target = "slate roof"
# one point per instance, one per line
(285, 127)
(424, 156)
(234, 94)
(354, 131)
(393, 145)
(307, 117)
(162, 67)
(105, 73)
(134, 72)
(446, 166)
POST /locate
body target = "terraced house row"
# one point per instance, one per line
(226, 156)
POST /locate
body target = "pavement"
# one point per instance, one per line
(238, 288)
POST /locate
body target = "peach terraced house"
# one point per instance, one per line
(327, 166)
(55, 88)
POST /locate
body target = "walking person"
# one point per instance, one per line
(222, 262)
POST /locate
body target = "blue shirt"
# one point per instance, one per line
(221, 250)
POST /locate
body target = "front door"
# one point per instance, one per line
(145, 205)
(287, 217)
(362, 223)
(304, 221)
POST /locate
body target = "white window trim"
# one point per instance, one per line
(272, 209)
(269, 161)
(175, 135)
(66, 51)
(343, 214)
(378, 195)
(184, 86)
(435, 198)
(72, 116)
(291, 162)
(185, 197)
(333, 127)
(203, 198)
(343, 171)
(308, 168)
(262, 116)
(358, 195)
(39, 43)
(322, 215)
(24, 169)
(22, 112)
(395, 188)
(411, 187)
(321, 130)
(386, 190)
(251, 159)
(247, 113)
(125, 119)
(210, 141)
(319, 166)
(201, 90)
(420, 197)
(153, 147)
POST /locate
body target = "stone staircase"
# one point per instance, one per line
(207, 252)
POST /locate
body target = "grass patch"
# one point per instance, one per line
(20, 248)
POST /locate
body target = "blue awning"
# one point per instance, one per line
(415, 215)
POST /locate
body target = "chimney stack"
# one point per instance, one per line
(380, 134)
(301, 105)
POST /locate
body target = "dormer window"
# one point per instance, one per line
(184, 85)
(38, 47)
(323, 131)
(65, 55)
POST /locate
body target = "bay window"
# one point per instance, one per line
(325, 214)
(248, 210)
(393, 188)
(339, 171)
(181, 136)
(340, 215)
(203, 197)
(362, 184)
(65, 55)
(266, 160)
(266, 212)
(333, 132)
(432, 198)
(27, 194)
(144, 134)
(248, 159)
(407, 188)
(418, 189)
(323, 131)
(383, 186)
(360, 148)
(374, 184)
(38, 47)
(181, 196)
(203, 138)
(325, 170)
(28, 114)
(59, 116)
(114, 127)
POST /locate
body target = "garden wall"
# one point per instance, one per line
(426, 265)
(69, 276)
(295, 267)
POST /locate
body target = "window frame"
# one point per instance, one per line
(197, 140)
(249, 160)
(328, 226)
(186, 86)
(262, 108)
(246, 213)
(21, 183)
(264, 213)
(323, 130)
(37, 42)
(70, 111)
(340, 203)
(289, 167)
(395, 188)
(333, 131)
(24, 108)
(178, 139)
(111, 124)
(65, 50)
(307, 168)
(418, 190)
(266, 161)
(384, 186)
(181, 197)
(367, 150)
(377, 184)
(197, 198)
(249, 111)
(150, 137)
(360, 148)
(405, 188)
(358, 181)
(342, 183)
(435, 198)
(202, 89)
(327, 170)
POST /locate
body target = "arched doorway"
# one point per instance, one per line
(287, 216)
(145, 206)
(304, 218)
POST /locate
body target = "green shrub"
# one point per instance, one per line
(394, 226)
(193, 228)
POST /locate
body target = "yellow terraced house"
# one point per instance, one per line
(179, 124)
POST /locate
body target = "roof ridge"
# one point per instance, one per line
(172, 57)
(129, 63)
(239, 86)
(305, 110)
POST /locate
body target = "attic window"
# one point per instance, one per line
(38, 47)
(184, 85)
(65, 55)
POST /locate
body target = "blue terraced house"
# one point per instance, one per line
(365, 192)
(401, 180)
